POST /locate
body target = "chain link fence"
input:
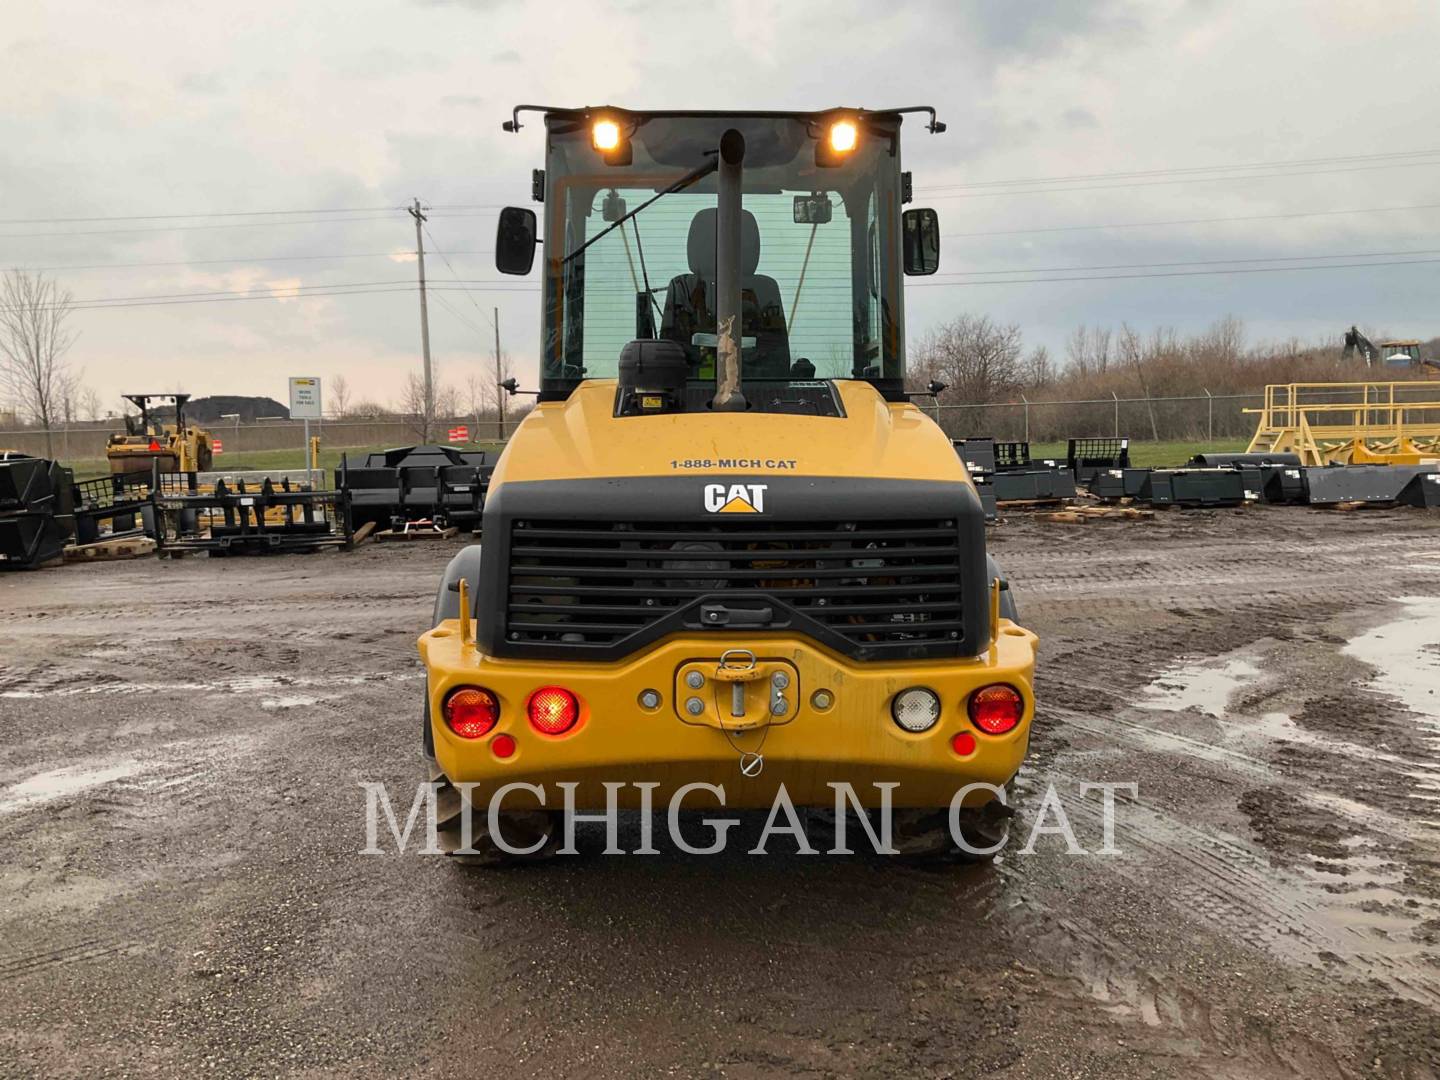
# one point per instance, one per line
(1194, 417)
(1190, 418)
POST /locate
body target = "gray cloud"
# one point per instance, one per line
(114, 111)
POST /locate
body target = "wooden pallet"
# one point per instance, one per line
(393, 536)
(1081, 515)
(1029, 504)
(125, 547)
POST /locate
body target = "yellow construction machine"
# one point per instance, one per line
(178, 447)
(725, 548)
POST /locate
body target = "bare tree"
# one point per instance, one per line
(977, 358)
(370, 410)
(91, 404)
(340, 396)
(415, 407)
(1039, 369)
(447, 402)
(34, 338)
(444, 403)
(1089, 350)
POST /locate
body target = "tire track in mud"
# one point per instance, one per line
(1220, 881)
(21, 964)
(1127, 619)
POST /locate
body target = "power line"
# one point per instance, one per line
(227, 262)
(1195, 169)
(210, 262)
(1192, 221)
(1180, 273)
(189, 228)
(200, 214)
(455, 274)
(1196, 262)
(241, 292)
(103, 305)
(282, 293)
(479, 331)
(1184, 180)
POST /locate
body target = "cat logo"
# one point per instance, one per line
(735, 498)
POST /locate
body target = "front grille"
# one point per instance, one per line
(874, 589)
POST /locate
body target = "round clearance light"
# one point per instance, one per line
(963, 744)
(997, 709)
(553, 710)
(470, 711)
(843, 136)
(916, 709)
(605, 135)
(503, 746)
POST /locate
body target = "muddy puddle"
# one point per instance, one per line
(61, 783)
(1360, 911)
(1205, 686)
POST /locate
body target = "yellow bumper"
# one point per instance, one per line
(619, 740)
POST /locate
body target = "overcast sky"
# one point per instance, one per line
(117, 110)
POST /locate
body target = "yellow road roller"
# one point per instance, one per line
(725, 560)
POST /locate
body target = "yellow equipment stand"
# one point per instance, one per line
(1362, 423)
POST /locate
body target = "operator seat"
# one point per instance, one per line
(690, 300)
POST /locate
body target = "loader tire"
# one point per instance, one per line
(923, 837)
(522, 829)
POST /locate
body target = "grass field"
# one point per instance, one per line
(1141, 454)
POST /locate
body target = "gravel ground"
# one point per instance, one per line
(182, 893)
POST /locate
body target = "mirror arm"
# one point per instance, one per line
(513, 125)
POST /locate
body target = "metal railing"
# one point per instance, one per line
(1348, 421)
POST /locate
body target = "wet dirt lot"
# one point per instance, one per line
(181, 748)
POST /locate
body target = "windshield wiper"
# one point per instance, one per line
(685, 181)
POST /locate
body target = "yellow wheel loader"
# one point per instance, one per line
(180, 447)
(726, 560)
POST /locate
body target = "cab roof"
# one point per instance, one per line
(935, 126)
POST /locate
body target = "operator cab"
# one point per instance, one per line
(634, 270)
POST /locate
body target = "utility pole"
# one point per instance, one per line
(419, 217)
(499, 374)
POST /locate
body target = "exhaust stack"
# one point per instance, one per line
(728, 395)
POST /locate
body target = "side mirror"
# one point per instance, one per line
(515, 241)
(922, 242)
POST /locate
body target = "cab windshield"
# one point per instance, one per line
(820, 284)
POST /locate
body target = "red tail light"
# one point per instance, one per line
(470, 711)
(996, 709)
(553, 710)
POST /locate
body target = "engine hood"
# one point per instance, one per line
(582, 438)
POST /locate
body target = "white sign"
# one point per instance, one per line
(304, 399)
